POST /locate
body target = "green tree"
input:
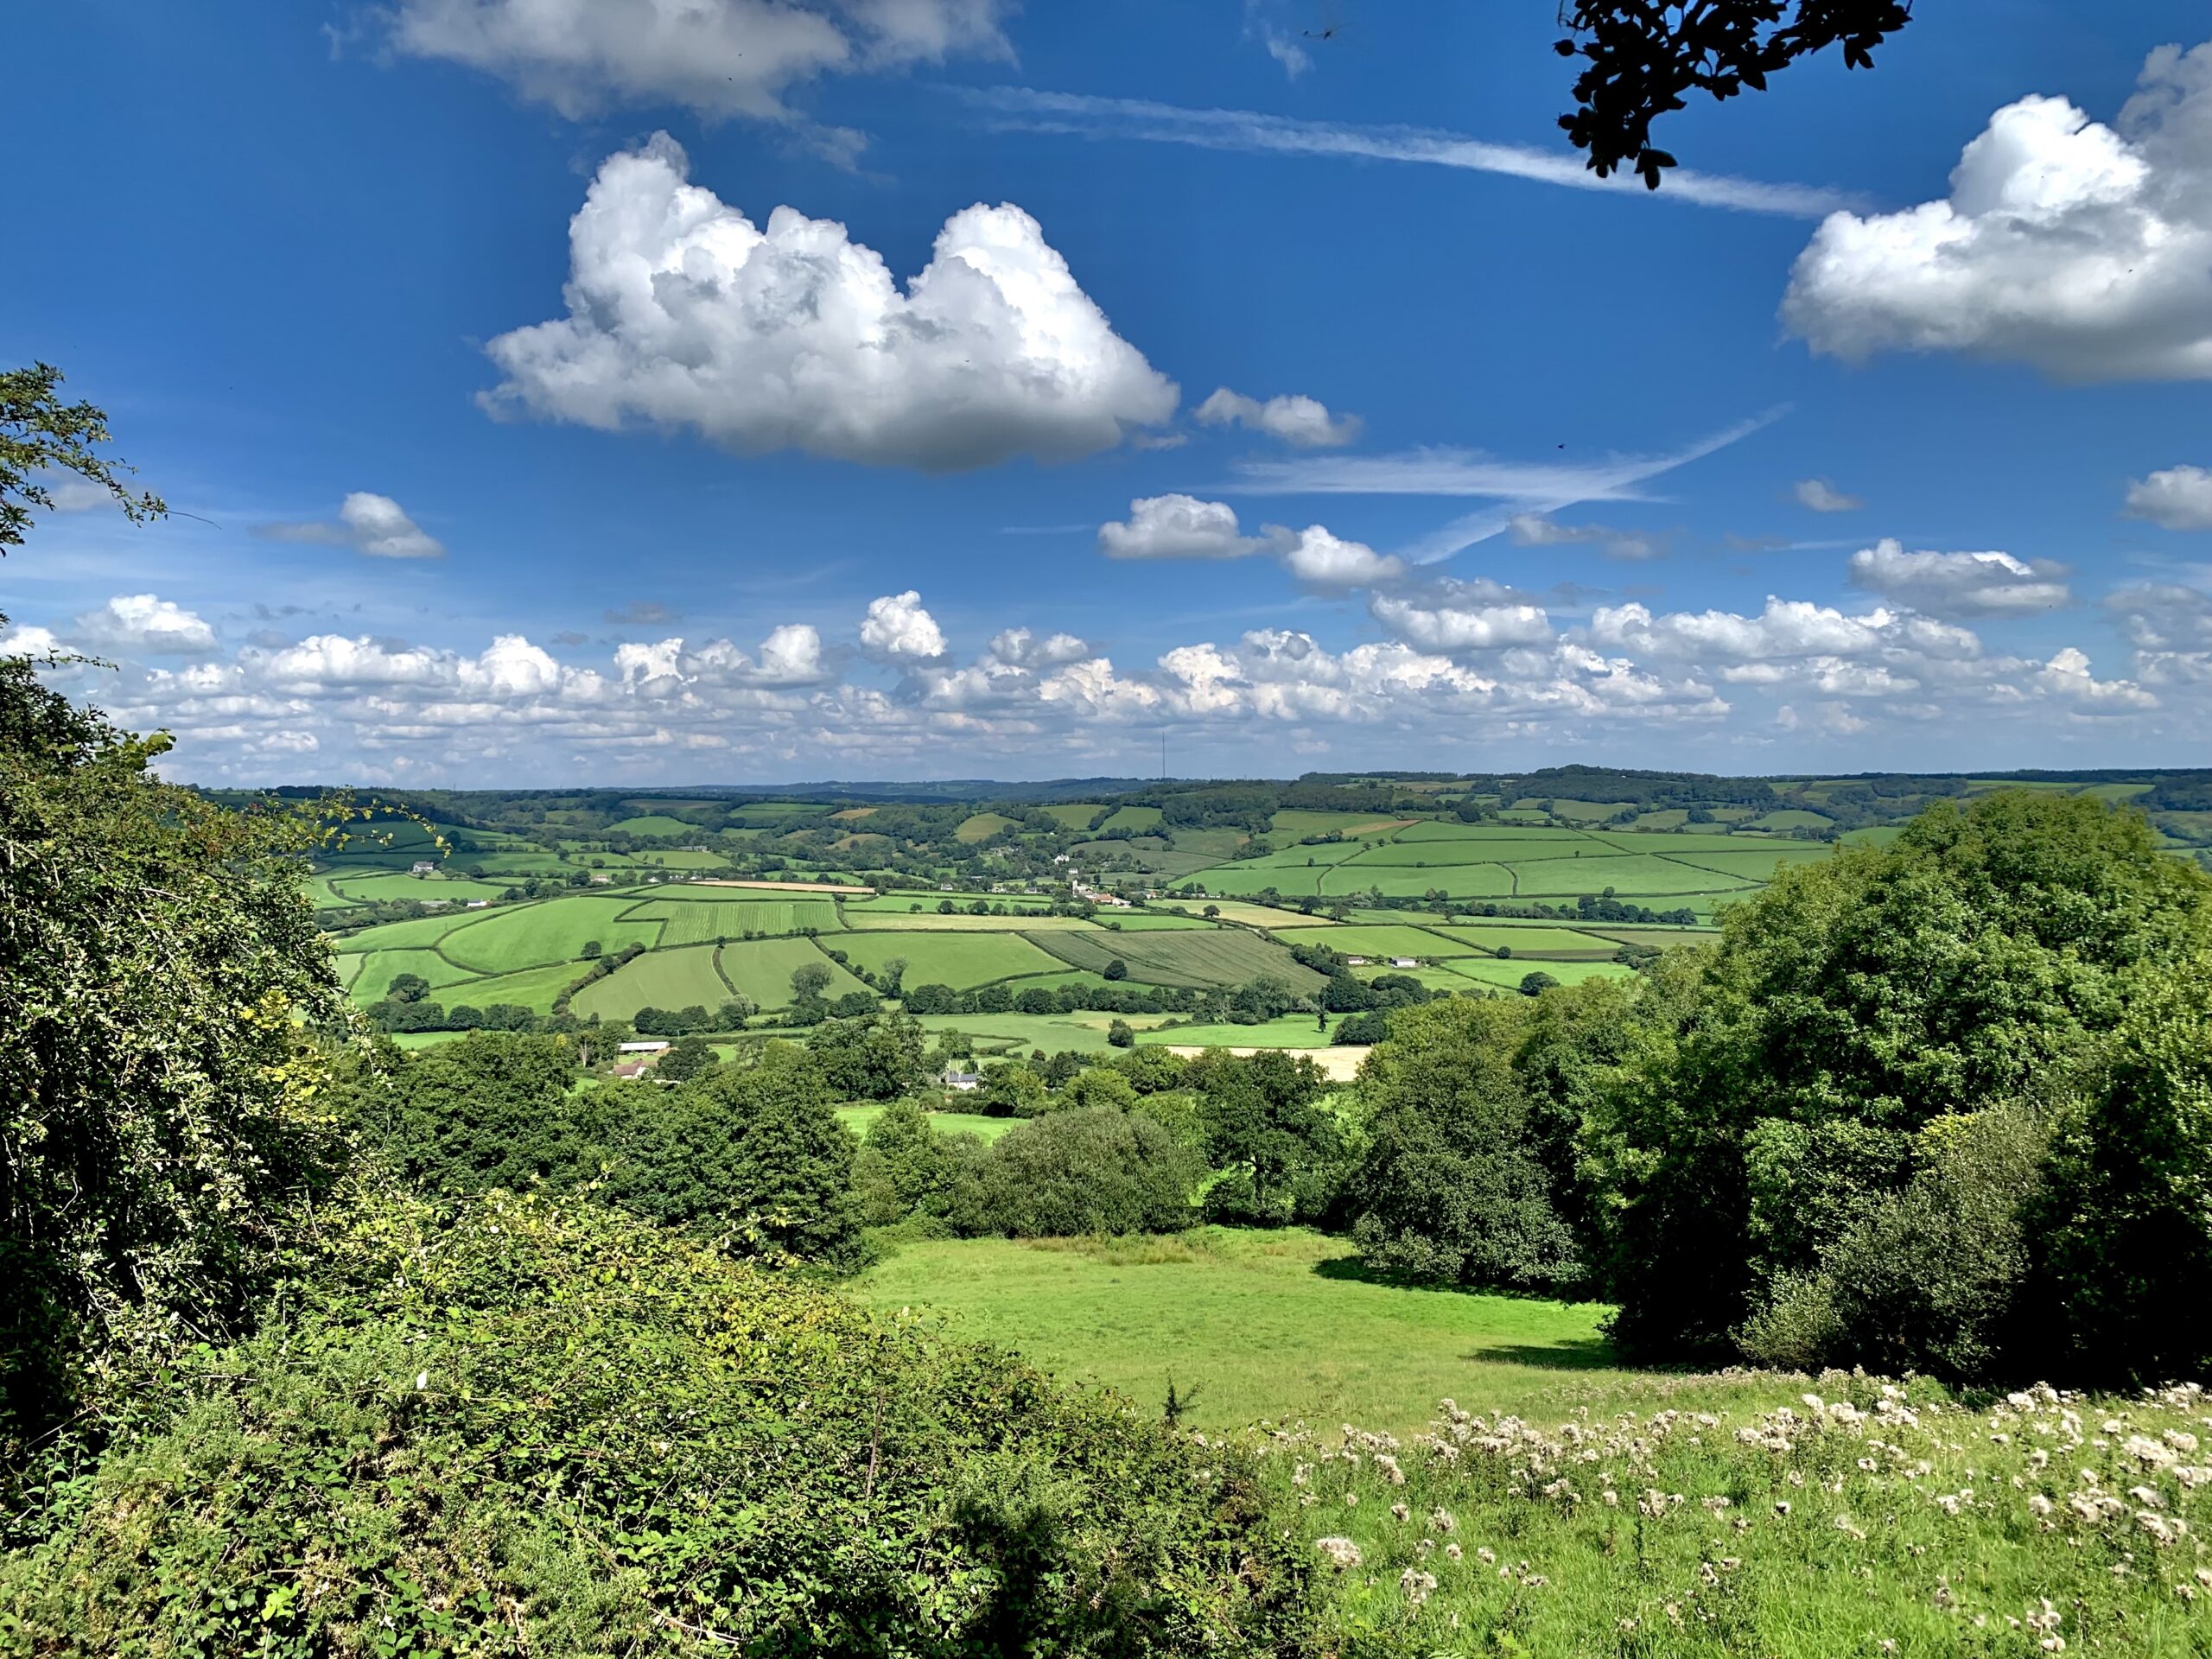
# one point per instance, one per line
(1262, 1117)
(39, 434)
(490, 1110)
(1983, 958)
(407, 987)
(1120, 1034)
(684, 1059)
(1452, 1188)
(158, 968)
(1116, 969)
(874, 1057)
(906, 1171)
(751, 1152)
(810, 980)
(2123, 1230)
(1089, 1170)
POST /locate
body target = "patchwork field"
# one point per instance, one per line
(960, 960)
(659, 979)
(530, 936)
(1009, 1033)
(885, 921)
(694, 922)
(762, 969)
(1225, 957)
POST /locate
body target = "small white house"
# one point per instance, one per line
(422, 866)
(648, 1045)
(478, 904)
(1403, 962)
(1355, 962)
(961, 1082)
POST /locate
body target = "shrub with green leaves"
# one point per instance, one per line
(529, 1425)
(1086, 1169)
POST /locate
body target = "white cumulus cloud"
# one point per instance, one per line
(367, 523)
(1321, 560)
(683, 312)
(898, 628)
(1177, 527)
(2082, 249)
(1818, 495)
(2178, 497)
(1300, 421)
(143, 624)
(1960, 584)
(1462, 619)
(717, 57)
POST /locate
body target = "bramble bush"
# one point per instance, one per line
(537, 1425)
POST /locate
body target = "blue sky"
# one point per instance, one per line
(1829, 458)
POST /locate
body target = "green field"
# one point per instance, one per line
(696, 922)
(986, 1129)
(1230, 910)
(1073, 815)
(373, 979)
(762, 969)
(928, 921)
(1224, 957)
(1085, 1033)
(387, 886)
(960, 960)
(655, 824)
(1134, 818)
(1261, 1324)
(556, 930)
(1531, 941)
(1376, 939)
(659, 979)
(1488, 970)
(983, 826)
(1292, 1030)
(530, 988)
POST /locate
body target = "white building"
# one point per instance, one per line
(961, 1082)
(1404, 962)
(650, 1046)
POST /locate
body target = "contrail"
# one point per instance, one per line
(1026, 110)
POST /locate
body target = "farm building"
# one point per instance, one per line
(421, 866)
(963, 1082)
(1404, 962)
(634, 1069)
(644, 1045)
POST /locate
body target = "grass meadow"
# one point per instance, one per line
(1478, 1475)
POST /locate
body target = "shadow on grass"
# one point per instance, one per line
(1575, 1354)
(1353, 1268)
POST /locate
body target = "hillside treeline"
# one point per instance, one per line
(1945, 1106)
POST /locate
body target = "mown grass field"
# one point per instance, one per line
(986, 1129)
(1292, 1030)
(698, 921)
(1223, 956)
(659, 979)
(960, 960)
(1013, 1033)
(1263, 1325)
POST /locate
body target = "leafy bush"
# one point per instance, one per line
(1774, 1107)
(526, 1425)
(157, 964)
(2124, 1226)
(1452, 1187)
(1086, 1170)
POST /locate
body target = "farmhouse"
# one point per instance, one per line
(634, 1069)
(961, 1082)
(1355, 962)
(421, 866)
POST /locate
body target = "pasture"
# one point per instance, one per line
(1008, 1034)
(698, 921)
(761, 968)
(986, 1129)
(1291, 1031)
(530, 936)
(1225, 957)
(928, 921)
(680, 978)
(1275, 1325)
(960, 960)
